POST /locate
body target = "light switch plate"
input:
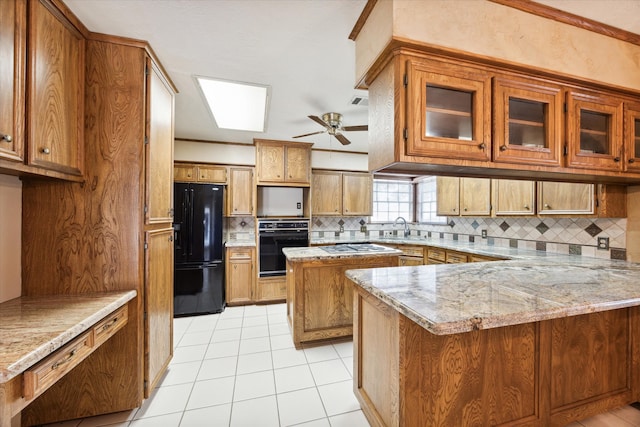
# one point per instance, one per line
(603, 243)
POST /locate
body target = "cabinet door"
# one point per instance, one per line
(158, 305)
(594, 131)
(12, 75)
(448, 112)
(212, 174)
(448, 196)
(475, 196)
(632, 137)
(159, 149)
(241, 194)
(56, 91)
(528, 122)
(563, 198)
(298, 164)
(513, 197)
(356, 194)
(326, 194)
(239, 275)
(184, 173)
(270, 163)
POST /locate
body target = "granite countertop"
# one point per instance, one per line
(239, 243)
(314, 253)
(453, 298)
(31, 328)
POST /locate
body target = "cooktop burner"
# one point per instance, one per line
(354, 248)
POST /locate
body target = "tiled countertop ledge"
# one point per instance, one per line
(31, 328)
(316, 253)
(239, 243)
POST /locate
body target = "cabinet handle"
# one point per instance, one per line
(546, 205)
(616, 159)
(503, 147)
(482, 146)
(67, 359)
(45, 150)
(465, 209)
(7, 138)
(526, 207)
(453, 210)
(632, 160)
(110, 324)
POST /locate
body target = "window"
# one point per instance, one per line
(392, 199)
(427, 201)
(414, 200)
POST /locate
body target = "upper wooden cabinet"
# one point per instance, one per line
(341, 193)
(241, 194)
(448, 113)
(12, 79)
(283, 162)
(463, 196)
(513, 197)
(527, 122)
(632, 137)
(594, 131)
(55, 122)
(159, 147)
(565, 198)
(189, 172)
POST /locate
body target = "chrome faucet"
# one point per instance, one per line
(406, 227)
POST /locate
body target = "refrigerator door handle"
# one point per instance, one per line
(191, 222)
(185, 209)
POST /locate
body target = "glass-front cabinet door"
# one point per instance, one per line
(448, 112)
(527, 122)
(594, 131)
(632, 137)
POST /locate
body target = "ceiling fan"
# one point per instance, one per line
(333, 125)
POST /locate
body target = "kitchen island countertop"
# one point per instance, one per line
(314, 253)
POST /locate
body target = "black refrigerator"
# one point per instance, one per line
(199, 265)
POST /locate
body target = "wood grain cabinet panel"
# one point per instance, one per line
(326, 194)
(241, 194)
(283, 163)
(463, 196)
(185, 172)
(56, 91)
(240, 270)
(12, 79)
(565, 198)
(341, 193)
(298, 167)
(632, 137)
(513, 197)
(212, 174)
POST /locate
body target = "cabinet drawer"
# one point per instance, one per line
(240, 253)
(482, 258)
(110, 325)
(409, 260)
(416, 251)
(436, 254)
(455, 258)
(44, 374)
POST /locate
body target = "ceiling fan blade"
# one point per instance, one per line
(319, 121)
(309, 134)
(343, 139)
(355, 128)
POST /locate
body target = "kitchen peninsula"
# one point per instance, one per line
(536, 342)
(319, 297)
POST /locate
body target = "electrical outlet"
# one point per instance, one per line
(363, 228)
(342, 228)
(388, 233)
(603, 243)
(484, 234)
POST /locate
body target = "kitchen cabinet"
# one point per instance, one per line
(270, 289)
(411, 255)
(449, 110)
(283, 162)
(594, 130)
(565, 198)
(158, 322)
(240, 279)
(12, 78)
(241, 194)
(112, 233)
(453, 257)
(341, 193)
(55, 88)
(189, 172)
(463, 196)
(513, 197)
(527, 122)
(448, 114)
(436, 255)
(632, 137)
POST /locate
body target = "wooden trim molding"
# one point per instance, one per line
(208, 141)
(570, 19)
(362, 19)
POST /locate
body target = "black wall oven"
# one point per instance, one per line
(274, 235)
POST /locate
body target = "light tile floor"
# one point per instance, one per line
(240, 368)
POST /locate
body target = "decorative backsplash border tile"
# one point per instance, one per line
(576, 236)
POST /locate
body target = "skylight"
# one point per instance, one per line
(235, 105)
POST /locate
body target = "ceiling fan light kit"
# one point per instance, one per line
(332, 122)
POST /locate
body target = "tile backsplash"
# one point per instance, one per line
(240, 228)
(577, 236)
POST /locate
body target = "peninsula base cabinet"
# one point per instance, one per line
(547, 373)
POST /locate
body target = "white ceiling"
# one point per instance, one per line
(298, 47)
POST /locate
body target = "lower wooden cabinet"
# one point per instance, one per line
(240, 275)
(271, 289)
